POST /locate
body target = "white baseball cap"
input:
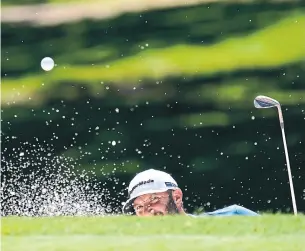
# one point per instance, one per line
(147, 182)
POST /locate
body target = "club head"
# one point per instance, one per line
(265, 102)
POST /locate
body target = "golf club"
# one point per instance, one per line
(267, 102)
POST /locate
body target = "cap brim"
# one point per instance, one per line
(128, 208)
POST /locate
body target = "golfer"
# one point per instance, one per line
(156, 193)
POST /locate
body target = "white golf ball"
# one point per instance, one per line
(47, 63)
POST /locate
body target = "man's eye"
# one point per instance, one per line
(139, 207)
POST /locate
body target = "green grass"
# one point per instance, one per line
(268, 232)
(280, 44)
(35, 2)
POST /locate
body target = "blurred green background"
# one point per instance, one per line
(172, 87)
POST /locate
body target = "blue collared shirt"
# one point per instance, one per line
(229, 211)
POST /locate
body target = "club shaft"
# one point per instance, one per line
(288, 162)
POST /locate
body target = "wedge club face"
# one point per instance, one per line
(265, 102)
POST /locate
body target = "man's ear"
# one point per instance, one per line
(178, 196)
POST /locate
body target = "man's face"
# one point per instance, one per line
(157, 204)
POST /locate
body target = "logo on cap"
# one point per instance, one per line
(170, 184)
(140, 184)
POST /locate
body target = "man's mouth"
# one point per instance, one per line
(159, 214)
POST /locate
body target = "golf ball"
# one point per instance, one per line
(47, 63)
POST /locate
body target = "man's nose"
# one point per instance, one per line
(149, 210)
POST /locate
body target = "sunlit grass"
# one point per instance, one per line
(280, 44)
(13, 3)
(268, 232)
